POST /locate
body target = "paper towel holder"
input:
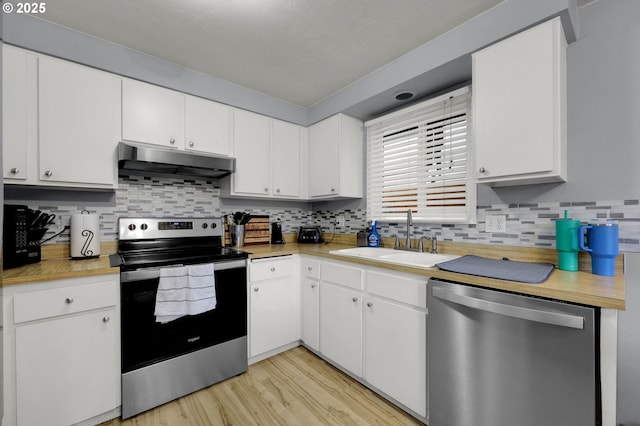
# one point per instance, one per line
(85, 235)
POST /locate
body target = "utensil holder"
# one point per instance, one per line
(236, 232)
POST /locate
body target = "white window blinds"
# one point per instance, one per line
(418, 158)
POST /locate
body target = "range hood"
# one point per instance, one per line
(146, 158)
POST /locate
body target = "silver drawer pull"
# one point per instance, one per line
(15, 170)
(106, 319)
(309, 268)
(256, 289)
(172, 141)
(355, 299)
(48, 173)
(313, 286)
(369, 304)
(273, 269)
(68, 300)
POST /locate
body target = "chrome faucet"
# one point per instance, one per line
(409, 223)
(434, 244)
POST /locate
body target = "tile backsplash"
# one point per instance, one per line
(531, 225)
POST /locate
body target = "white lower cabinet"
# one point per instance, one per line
(373, 324)
(341, 326)
(62, 351)
(310, 331)
(274, 300)
(395, 338)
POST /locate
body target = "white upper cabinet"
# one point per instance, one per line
(285, 155)
(519, 108)
(208, 125)
(15, 122)
(62, 122)
(251, 150)
(159, 116)
(335, 158)
(79, 123)
(152, 114)
(268, 155)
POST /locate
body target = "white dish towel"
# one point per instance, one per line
(185, 290)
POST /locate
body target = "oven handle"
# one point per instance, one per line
(150, 274)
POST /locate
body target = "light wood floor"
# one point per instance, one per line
(292, 388)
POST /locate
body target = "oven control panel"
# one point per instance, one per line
(138, 228)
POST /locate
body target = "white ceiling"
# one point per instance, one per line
(300, 51)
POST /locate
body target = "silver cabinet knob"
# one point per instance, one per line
(256, 289)
(482, 170)
(278, 190)
(191, 144)
(313, 286)
(48, 173)
(172, 141)
(273, 269)
(355, 299)
(333, 190)
(266, 189)
(68, 300)
(309, 268)
(369, 304)
(15, 170)
(106, 319)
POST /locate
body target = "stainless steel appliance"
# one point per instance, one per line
(163, 361)
(497, 358)
(309, 234)
(147, 158)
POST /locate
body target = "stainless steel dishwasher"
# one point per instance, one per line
(503, 359)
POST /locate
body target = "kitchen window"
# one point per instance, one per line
(419, 159)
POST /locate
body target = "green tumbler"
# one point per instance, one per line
(567, 243)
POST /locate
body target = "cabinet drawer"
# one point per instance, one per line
(311, 268)
(266, 269)
(61, 301)
(403, 289)
(341, 274)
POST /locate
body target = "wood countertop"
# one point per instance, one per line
(578, 287)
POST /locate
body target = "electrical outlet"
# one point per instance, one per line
(495, 223)
(340, 221)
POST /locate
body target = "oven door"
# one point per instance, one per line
(145, 341)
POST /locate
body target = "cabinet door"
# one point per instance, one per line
(208, 125)
(310, 300)
(67, 369)
(285, 159)
(251, 150)
(152, 114)
(396, 352)
(15, 119)
(273, 314)
(79, 123)
(324, 145)
(341, 326)
(519, 119)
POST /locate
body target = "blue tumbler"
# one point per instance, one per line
(602, 245)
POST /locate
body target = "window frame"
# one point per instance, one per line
(435, 132)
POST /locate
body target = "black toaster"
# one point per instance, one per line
(309, 234)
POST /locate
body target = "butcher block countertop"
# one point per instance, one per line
(578, 287)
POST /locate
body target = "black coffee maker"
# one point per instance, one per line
(276, 233)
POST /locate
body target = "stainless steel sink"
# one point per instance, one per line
(415, 259)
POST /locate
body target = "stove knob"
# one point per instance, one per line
(131, 227)
(214, 225)
(144, 226)
(205, 226)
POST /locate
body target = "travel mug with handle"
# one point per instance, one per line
(602, 245)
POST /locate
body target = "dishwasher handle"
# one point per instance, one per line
(553, 318)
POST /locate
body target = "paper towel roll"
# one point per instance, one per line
(85, 236)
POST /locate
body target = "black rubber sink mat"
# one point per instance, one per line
(525, 272)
